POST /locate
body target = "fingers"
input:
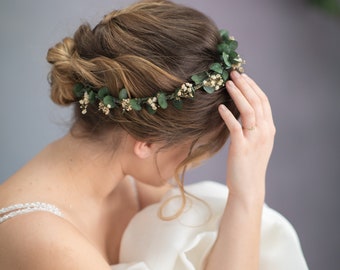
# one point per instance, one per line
(267, 112)
(246, 110)
(249, 94)
(251, 101)
(233, 125)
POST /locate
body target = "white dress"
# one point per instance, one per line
(150, 243)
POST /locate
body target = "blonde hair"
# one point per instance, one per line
(148, 47)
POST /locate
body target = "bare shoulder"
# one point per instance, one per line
(44, 241)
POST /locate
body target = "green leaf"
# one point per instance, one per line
(223, 47)
(92, 97)
(123, 94)
(226, 59)
(233, 55)
(135, 105)
(217, 67)
(199, 78)
(236, 60)
(102, 92)
(209, 89)
(150, 110)
(225, 75)
(78, 90)
(178, 104)
(224, 34)
(108, 100)
(233, 44)
(161, 98)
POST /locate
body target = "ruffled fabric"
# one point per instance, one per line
(150, 243)
(132, 266)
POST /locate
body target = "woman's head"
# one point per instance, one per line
(147, 48)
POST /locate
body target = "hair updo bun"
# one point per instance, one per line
(61, 76)
(68, 67)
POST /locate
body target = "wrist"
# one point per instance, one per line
(247, 200)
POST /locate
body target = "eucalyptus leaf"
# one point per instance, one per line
(108, 100)
(123, 94)
(199, 78)
(162, 100)
(178, 104)
(78, 90)
(224, 34)
(92, 97)
(150, 110)
(223, 47)
(208, 89)
(102, 92)
(226, 59)
(233, 55)
(236, 60)
(217, 67)
(233, 44)
(135, 105)
(225, 75)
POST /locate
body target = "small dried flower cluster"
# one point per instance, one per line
(152, 102)
(104, 108)
(238, 66)
(126, 104)
(215, 81)
(186, 91)
(84, 103)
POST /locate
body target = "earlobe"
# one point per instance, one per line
(142, 149)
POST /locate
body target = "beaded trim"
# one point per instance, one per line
(24, 208)
(210, 81)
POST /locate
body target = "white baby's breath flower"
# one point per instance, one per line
(186, 91)
(152, 102)
(126, 105)
(84, 102)
(103, 108)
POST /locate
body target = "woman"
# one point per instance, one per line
(157, 89)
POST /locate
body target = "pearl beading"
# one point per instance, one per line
(24, 208)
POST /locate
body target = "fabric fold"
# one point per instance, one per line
(150, 243)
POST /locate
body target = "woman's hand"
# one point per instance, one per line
(238, 242)
(251, 138)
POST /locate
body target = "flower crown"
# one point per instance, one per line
(211, 80)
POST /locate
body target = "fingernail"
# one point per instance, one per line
(236, 74)
(244, 75)
(230, 83)
(223, 108)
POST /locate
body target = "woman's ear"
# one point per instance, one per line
(143, 150)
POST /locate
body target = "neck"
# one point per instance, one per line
(94, 169)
